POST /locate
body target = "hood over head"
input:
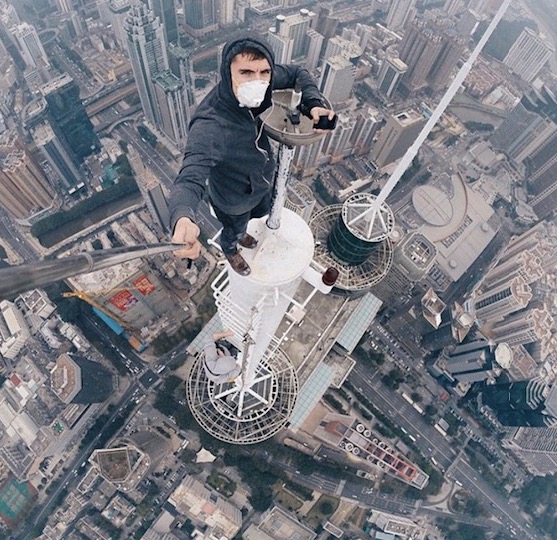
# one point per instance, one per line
(231, 49)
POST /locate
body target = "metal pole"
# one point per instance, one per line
(439, 110)
(17, 279)
(285, 157)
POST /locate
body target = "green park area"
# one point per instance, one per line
(322, 509)
(222, 484)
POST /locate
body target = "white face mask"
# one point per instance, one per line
(252, 93)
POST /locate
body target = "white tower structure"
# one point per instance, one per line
(259, 402)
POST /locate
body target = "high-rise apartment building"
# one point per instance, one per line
(390, 75)
(337, 79)
(296, 28)
(30, 46)
(281, 46)
(339, 46)
(24, 187)
(56, 155)
(529, 126)
(397, 135)
(341, 139)
(315, 44)
(367, 126)
(171, 103)
(68, 117)
(201, 16)
(148, 55)
(514, 302)
(541, 167)
(165, 10)
(118, 12)
(14, 330)
(325, 23)
(529, 54)
(535, 447)
(225, 12)
(534, 325)
(181, 65)
(77, 380)
(431, 50)
(400, 12)
(103, 9)
(502, 299)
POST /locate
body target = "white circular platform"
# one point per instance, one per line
(282, 255)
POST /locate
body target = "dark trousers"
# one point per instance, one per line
(234, 227)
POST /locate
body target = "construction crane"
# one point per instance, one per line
(114, 322)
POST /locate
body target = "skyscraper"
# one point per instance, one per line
(523, 403)
(55, 153)
(118, 12)
(201, 16)
(541, 166)
(226, 12)
(148, 56)
(476, 361)
(77, 380)
(30, 46)
(390, 75)
(400, 12)
(165, 10)
(103, 8)
(529, 54)
(281, 46)
(24, 187)
(431, 50)
(68, 117)
(170, 99)
(529, 126)
(535, 447)
(367, 125)
(339, 46)
(534, 325)
(396, 137)
(341, 139)
(337, 79)
(326, 23)
(502, 299)
(295, 27)
(181, 66)
(315, 44)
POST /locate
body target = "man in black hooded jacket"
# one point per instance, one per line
(227, 151)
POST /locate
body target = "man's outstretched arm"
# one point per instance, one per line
(293, 76)
(188, 189)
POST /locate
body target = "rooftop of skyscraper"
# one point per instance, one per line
(168, 81)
